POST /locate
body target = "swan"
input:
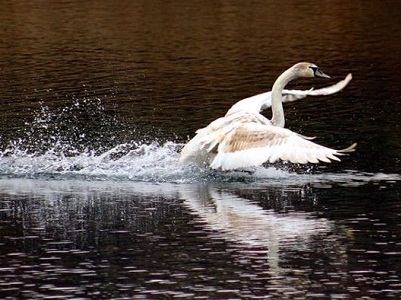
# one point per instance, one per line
(245, 138)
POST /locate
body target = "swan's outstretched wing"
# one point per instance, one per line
(259, 102)
(291, 95)
(253, 144)
(331, 89)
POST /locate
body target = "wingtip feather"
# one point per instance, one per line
(348, 149)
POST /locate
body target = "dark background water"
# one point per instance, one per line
(79, 78)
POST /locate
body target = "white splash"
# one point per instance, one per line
(155, 162)
(128, 161)
(62, 145)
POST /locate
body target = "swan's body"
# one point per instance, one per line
(245, 138)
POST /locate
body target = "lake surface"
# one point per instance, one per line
(96, 102)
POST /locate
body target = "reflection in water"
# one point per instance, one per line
(70, 238)
(142, 232)
(267, 237)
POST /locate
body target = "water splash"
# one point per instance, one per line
(125, 161)
(156, 162)
(82, 141)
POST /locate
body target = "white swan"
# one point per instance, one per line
(245, 138)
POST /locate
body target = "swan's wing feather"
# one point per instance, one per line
(254, 144)
(193, 151)
(207, 138)
(332, 89)
(292, 95)
(252, 104)
(218, 131)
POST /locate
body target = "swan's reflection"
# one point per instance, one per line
(273, 244)
(254, 229)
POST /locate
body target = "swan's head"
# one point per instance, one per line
(305, 69)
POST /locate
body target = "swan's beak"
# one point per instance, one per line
(319, 73)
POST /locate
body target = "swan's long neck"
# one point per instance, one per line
(277, 92)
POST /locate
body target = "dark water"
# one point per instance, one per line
(96, 101)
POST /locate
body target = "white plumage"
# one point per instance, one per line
(245, 138)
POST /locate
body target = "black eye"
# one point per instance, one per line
(314, 69)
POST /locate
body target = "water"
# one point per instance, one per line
(96, 102)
